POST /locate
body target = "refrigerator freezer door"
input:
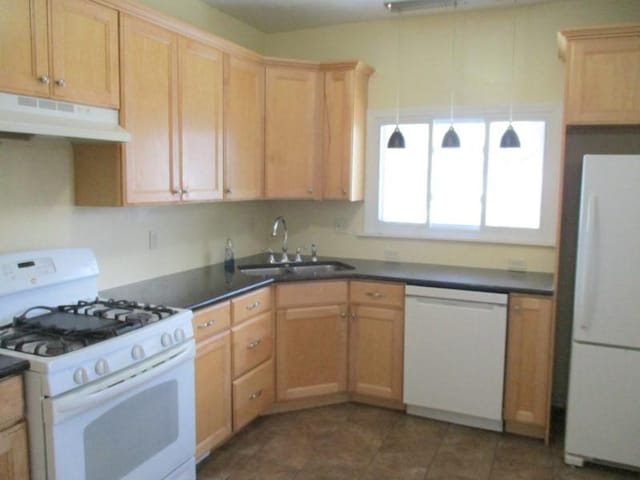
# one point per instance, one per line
(607, 297)
(604, 401)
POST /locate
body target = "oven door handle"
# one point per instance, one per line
(83, 400)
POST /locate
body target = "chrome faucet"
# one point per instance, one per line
(277, 221)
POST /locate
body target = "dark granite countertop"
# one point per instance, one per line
(11, 366)
(200, 287)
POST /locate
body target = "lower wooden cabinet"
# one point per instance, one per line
(252, 394)
(311, 339)
(529, 365)
(14, 457)
(213, 392)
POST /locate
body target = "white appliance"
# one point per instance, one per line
(603, 411)
(454, 355)
(110, 388)
(42, 116)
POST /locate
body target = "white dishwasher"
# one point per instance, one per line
(454, 355)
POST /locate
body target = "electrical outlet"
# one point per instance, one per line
(517, 265)
(153, 240)
(340, 225)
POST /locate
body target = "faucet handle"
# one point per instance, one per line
(314, 252)
(298, 254)
(271, 258)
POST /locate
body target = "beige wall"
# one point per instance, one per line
(200, 14)
(482, 69)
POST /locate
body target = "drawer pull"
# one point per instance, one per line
(253, 345)
(374, 295)
(255, 395)
(253, 306)
(204, 325)
(343, 314)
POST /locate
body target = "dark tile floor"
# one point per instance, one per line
(356, 442)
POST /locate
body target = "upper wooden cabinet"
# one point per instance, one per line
(77, 60)
(529, 365)
(172, 105)
(243, 128)
(293, 120)
(344, 130)
(603, 74)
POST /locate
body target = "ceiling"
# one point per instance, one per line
(272, 16)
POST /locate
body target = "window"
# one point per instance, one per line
(478, 192)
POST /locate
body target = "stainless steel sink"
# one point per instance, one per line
(305, 268)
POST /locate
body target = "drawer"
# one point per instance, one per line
(211, 320)
(252, 343)
(11, 401)
(378, 293)
(252, 394)
(307, 294)
(250, 305)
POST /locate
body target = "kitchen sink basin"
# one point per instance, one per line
(304, 268)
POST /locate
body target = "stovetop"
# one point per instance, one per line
(51, 331)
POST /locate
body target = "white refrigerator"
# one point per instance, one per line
(603, 411)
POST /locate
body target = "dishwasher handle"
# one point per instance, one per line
(456, 303)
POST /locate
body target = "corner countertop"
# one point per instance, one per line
(12, 366)
(203, 286)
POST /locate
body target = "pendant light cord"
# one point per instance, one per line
(452, 67)
(513, 61)
(398, 74)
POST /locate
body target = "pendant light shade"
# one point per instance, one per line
(396, 140)
(510, 138)
(451, 139)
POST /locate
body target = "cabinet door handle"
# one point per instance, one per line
(253, 306)
(343, 314)
(60, 83)
(204, 325)
(375, 295)
(227, 190)
(176, 191)
(310, 191)
(254, 344)
(44, 79)
(255, 395)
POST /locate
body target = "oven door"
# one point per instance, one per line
(134, 424)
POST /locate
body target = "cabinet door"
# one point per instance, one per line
(200, 78)
(602, 80)
(292, 133)
(24, 56)
(85, 53)
(150, 65)
(243, 128)
(213, 392)
(311, 351)
(529, 362)
(14, 459)
(338, 122)
(376, 351)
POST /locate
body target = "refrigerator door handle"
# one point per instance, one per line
(588, 258)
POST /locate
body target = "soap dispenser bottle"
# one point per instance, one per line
(229, 261)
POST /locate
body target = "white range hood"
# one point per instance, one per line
(20, 114)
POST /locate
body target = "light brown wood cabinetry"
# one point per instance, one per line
(243, 128)
(529, 365)
(172, 105)
(344, 128)
(76, 60)
(292, 140)
(603, 74)
(311, 339)
(252, 350)
(14, 457)
(212, 376)
(376, 339)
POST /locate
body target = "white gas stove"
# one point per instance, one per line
(109, 390)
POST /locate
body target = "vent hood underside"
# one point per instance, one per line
(23, 115)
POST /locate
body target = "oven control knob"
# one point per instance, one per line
(179, 335)
(166, 340)
(137, 352)
(80, 376)
(102, 367)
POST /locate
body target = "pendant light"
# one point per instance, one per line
(451, 138)
(396, 140)
(510, 137)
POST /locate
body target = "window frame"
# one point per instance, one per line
(551, 114)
